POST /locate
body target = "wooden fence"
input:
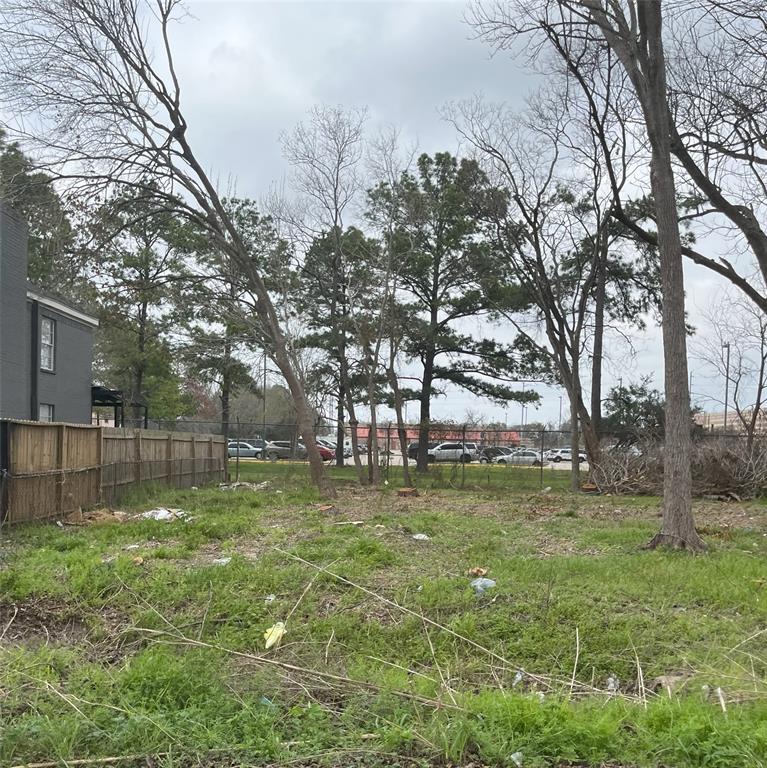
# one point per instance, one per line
(52, 469)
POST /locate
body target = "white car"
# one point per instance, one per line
(564, 454)
(524, 457)
(450, 452)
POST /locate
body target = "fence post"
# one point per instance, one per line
(100, 463)
(209, 461)
(169, 457)
(137, 469)
(543, 445)
(194, 459)
(62, 462)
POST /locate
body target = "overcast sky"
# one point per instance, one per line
(250, 70)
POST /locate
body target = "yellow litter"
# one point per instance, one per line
(274, 634)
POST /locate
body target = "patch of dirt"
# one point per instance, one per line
(40, 621)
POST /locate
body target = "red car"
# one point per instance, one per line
(326, 453)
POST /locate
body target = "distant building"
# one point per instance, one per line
(46, 344)
(713, 421)
(443, 432)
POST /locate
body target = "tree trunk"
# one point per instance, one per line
(304, 417)
(575, 467)
(361, 478)
(340, 427)
(401, 426)
(422, 463)
(678, 528)
(374, 473)
(138, 372)
(226, 391)
(226, 385)
(599, 332)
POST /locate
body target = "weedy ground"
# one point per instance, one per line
(144, 639)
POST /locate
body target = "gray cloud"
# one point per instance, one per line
(252, 69)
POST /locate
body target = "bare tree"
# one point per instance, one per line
(387, 162)
(717, 89)
(326, 153)
(736, 322)
(555, 233)
(637, 41)
(100, 106)
(633, 31)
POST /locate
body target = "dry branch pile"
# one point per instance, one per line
(729, 469)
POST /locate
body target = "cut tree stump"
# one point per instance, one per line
(407, 492)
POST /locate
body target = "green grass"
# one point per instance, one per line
(81, 677)
(441, 476)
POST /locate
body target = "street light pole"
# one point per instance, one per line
(726, 346)
(560, 413)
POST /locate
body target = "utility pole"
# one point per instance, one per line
(560, 413)
(726, 346)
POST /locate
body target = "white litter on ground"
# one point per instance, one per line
(164, 514)
(244, 486)
(421, 537)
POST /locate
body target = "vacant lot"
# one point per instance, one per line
(146, 638)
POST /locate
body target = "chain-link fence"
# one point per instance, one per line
(454, 455)
(473, 456)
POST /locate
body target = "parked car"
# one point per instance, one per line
(472, 448)
(327, 454)
(563, 454)
(244, 450)
(524, 457)
(412, 449)
(489, 454)
(284, 449)
(256, 442)
(450, 452)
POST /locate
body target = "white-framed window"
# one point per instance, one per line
(47, 344)
(45, 412)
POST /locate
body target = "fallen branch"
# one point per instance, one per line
(89, 761)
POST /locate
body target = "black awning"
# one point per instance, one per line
(108, 397)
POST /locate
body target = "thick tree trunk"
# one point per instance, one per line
(678, 528)
(575, 467)
(422, 463)
(304, 420)
(361, 477)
